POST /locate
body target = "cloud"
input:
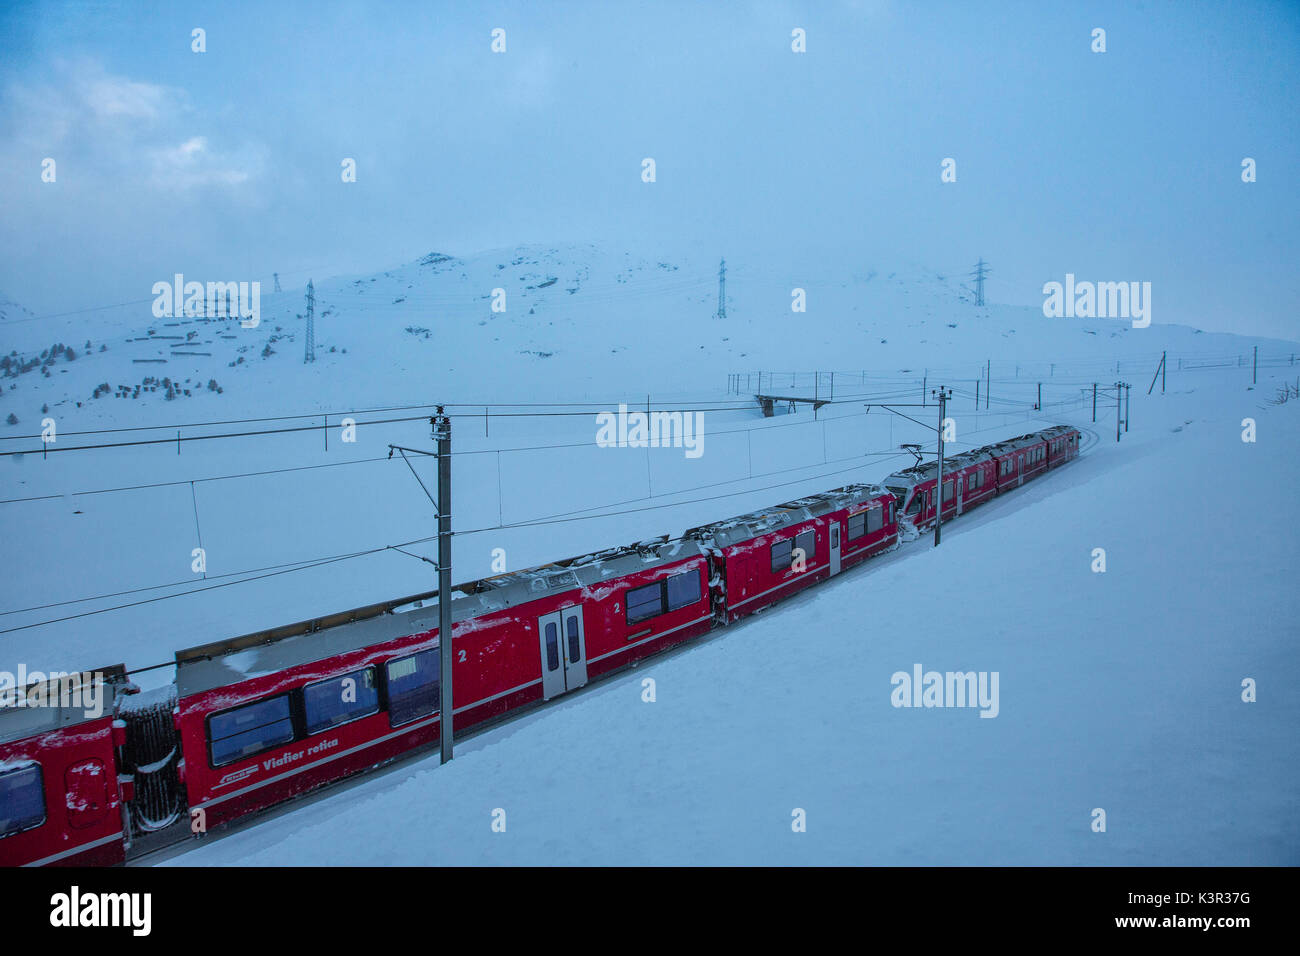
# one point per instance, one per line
(123, 131)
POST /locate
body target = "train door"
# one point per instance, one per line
(564, 651)
(961, 485)
(835, 546)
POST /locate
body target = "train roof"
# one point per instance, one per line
(909, 477)
(744, 527)
(951, 464)
(18, 723)
(274, 649)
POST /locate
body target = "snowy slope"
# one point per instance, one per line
(1118, 691)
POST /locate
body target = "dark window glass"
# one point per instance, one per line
(683, 589)
(571, 625)
(250, 729)
(413, 687)
(781, 558)
(915, 504)
(22, 799)
(552, 646)
(875, 520)
(947, 492)
(857, 525)
(340, 699)
(645, 602)
(806, 541)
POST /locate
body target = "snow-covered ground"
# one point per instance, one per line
(1119, 691)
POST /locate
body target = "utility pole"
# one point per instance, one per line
(942, 394)
(988, 381)
(977, 394)
(1160, 374)
(981, 270)
(276, 276)
(1128, 389)
(309, 354)
(1094, 403)
(1038, 406)
(1254, 367)
(722, 290)
(442, 435)
(1118, 386)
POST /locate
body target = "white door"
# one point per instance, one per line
(564, 651)
(835, 546)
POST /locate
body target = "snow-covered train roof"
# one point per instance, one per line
(268, 651)
(910, 477)
(744, 527)
(64, 701)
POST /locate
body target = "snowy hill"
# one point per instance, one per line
(582, 319)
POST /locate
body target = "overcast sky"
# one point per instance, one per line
(1123, 165)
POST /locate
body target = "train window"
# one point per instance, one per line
(857, 525)
(645, 602)
(806, 541)
(235, 734)
(781, 557)
(336, 701)
(875, 520)
(915, 505)
(683, 589)
(552, 634)
(575, 652)
(947, 492)
(22, 799)
(413, 687)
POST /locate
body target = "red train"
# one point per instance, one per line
(259, 719)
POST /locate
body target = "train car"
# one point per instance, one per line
(59, 797)
(271, 715)
(768, 555)
(969, 479)
(1062, 445)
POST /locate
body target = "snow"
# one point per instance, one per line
(1119, 690)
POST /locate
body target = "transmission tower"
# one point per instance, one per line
(277, 281)
(310, 354)
(722, 290)
(981, 270)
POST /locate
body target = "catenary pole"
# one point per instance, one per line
(942, 394)
(442, 434)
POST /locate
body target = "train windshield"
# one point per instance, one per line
(899, 493)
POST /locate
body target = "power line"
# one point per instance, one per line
(558, 518)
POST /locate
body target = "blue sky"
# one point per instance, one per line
(1117, 166)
